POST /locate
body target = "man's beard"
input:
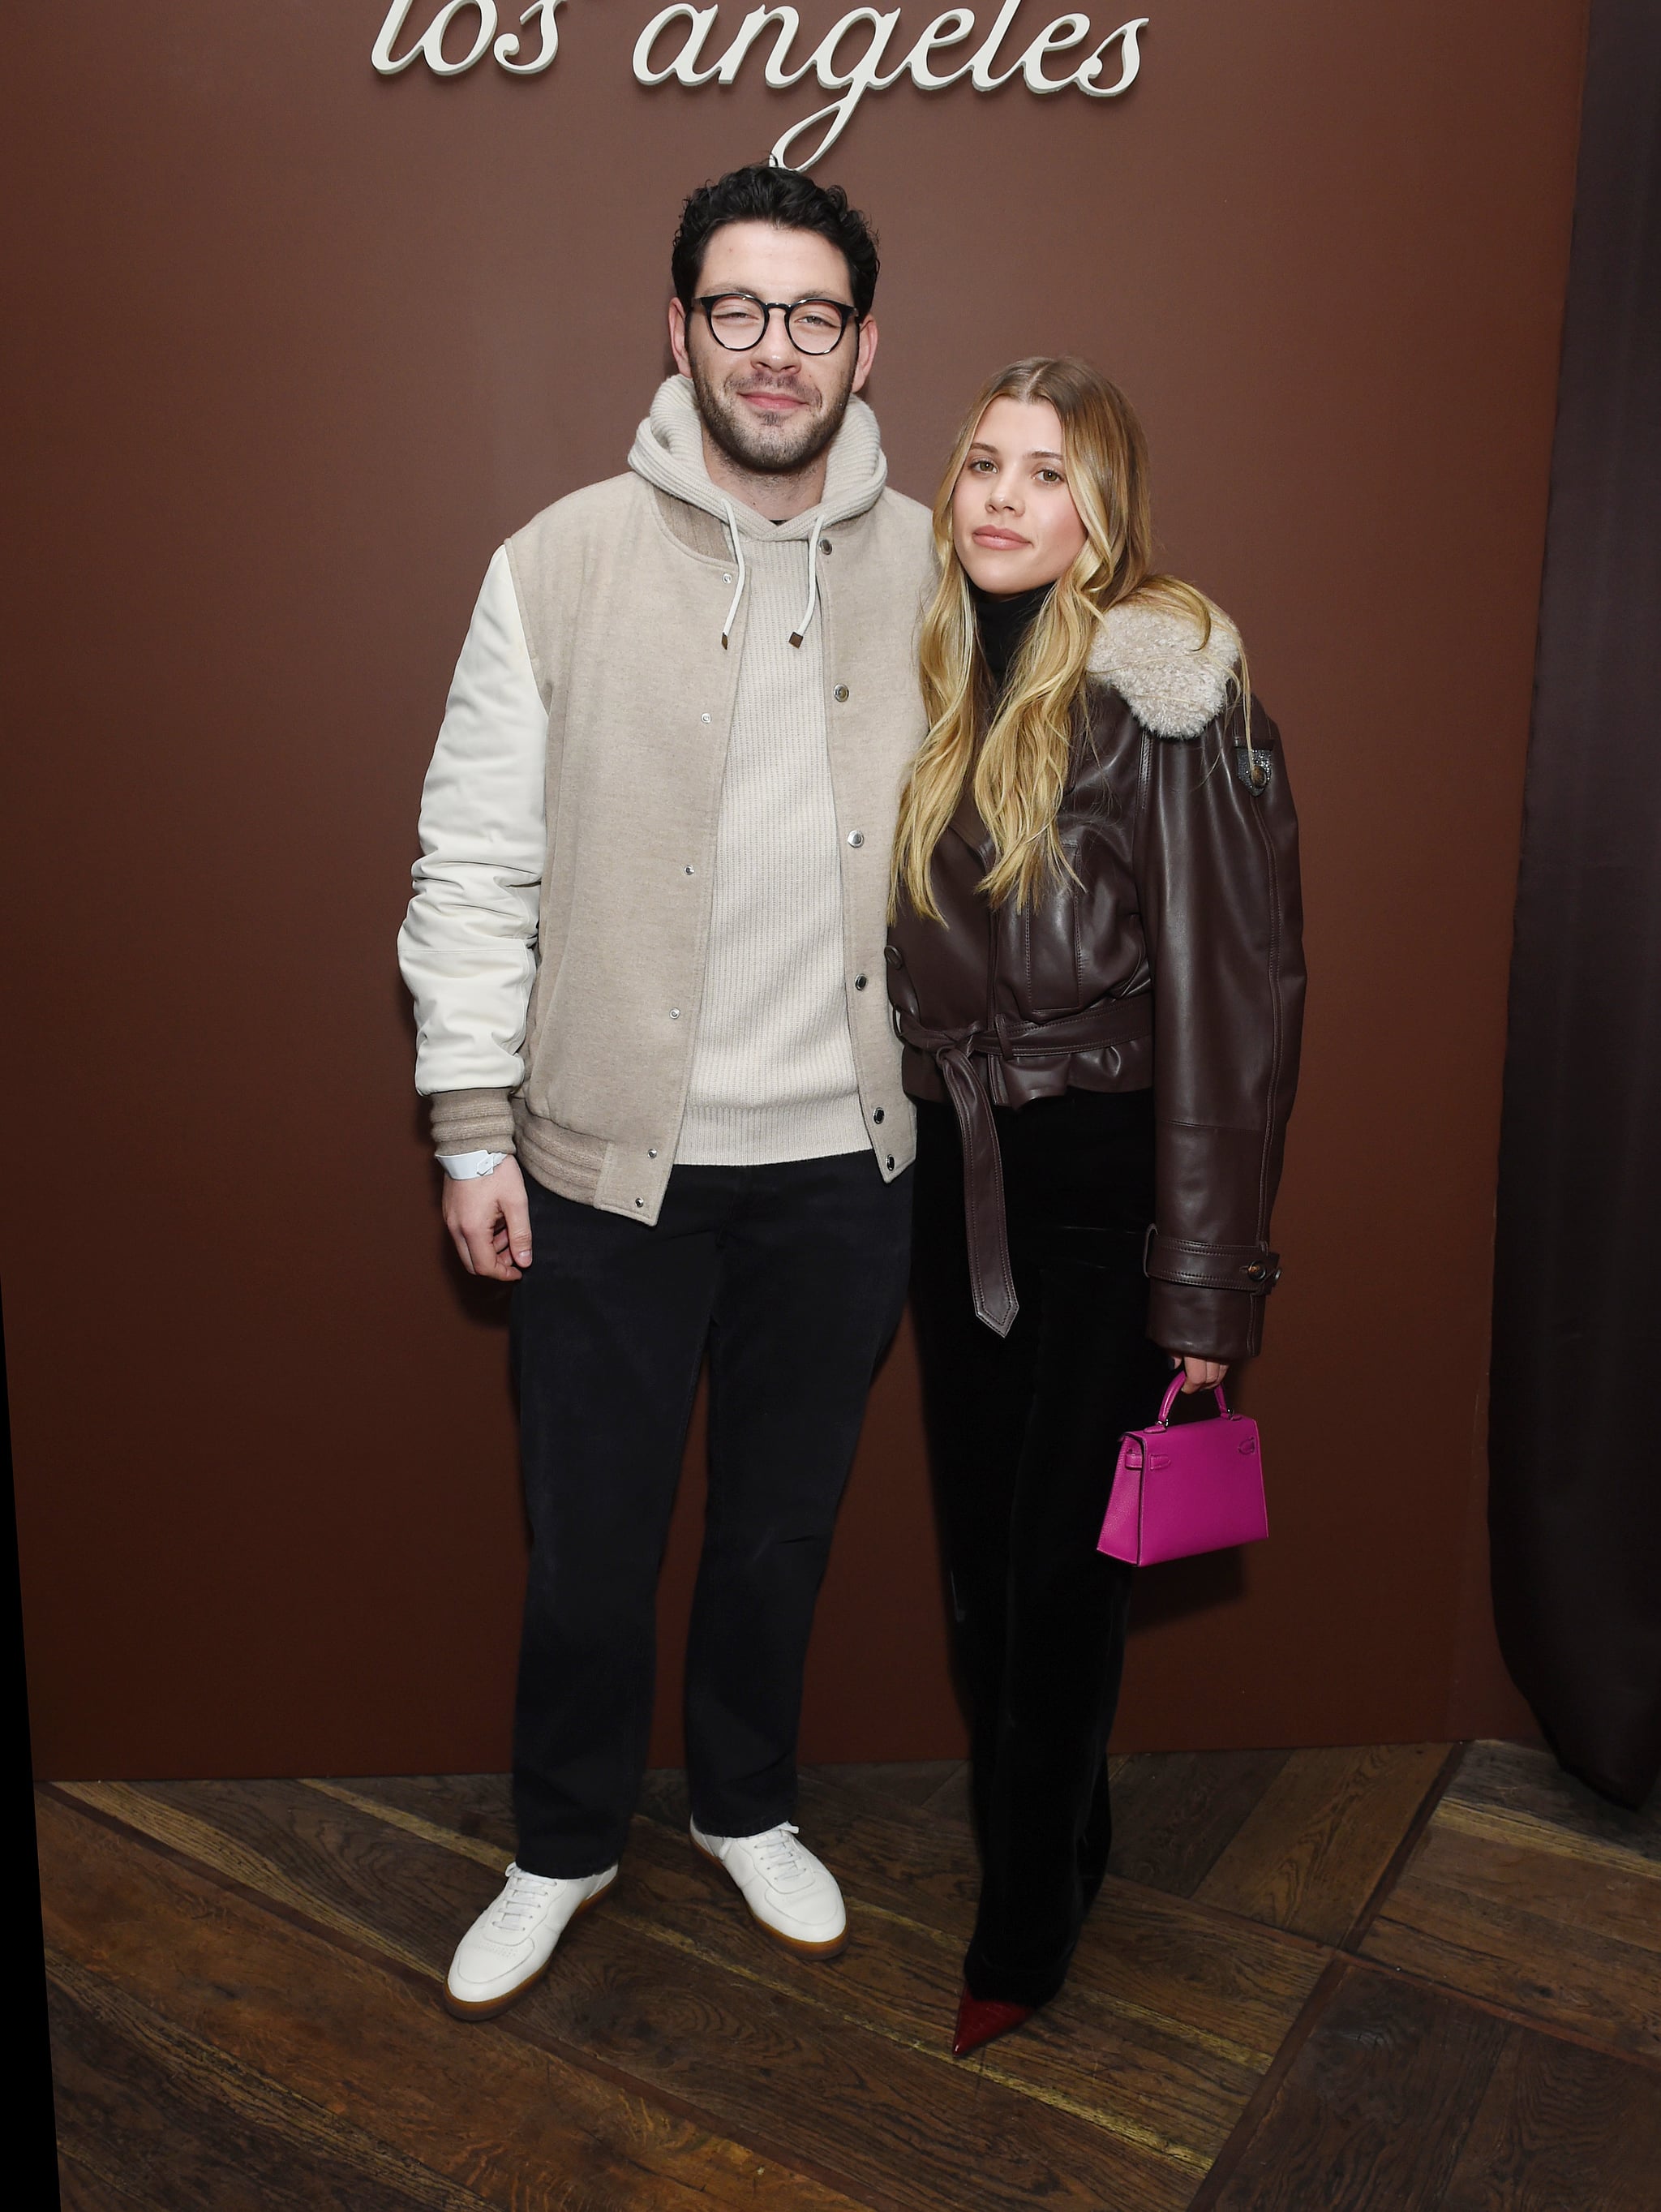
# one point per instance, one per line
(782, 449)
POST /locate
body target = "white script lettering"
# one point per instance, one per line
(429, 47)
(685, 63)
(853, 84)
(852, 79)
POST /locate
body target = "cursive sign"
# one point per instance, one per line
(429, 47)
(850, 74)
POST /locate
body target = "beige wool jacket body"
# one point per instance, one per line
(555, 945)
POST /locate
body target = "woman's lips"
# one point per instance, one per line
(1001, 541)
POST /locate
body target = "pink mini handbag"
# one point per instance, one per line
(1196, 1488)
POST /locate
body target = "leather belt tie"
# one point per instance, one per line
(961, 1056)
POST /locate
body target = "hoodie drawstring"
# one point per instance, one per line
(812, 606)
(738, 558)
(801, 630)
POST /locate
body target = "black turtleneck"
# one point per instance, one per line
(1003, 623)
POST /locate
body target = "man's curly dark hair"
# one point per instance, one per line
(761, 193)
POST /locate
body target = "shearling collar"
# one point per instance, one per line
(1153, 657)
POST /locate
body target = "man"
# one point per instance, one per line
(647, 949)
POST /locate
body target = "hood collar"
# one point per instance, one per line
(667, 453)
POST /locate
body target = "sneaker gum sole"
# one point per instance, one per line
(796, 1944)
(461, 2008)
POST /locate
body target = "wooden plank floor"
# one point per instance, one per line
(1387, 1979)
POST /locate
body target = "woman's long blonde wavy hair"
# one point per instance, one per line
(1019, 764)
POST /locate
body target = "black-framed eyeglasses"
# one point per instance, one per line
(739, 321)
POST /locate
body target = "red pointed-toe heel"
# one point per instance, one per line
(980, 2019)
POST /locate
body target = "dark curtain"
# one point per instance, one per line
(1574, 1501)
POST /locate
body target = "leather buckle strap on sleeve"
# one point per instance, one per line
(1252, 1269)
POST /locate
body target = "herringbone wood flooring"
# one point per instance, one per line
(1379, 1980)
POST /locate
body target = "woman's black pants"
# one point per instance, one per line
(1023, 1435)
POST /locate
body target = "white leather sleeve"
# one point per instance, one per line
(467, 947)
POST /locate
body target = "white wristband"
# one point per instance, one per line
(464, 1167)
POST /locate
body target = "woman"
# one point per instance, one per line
(1095, 967)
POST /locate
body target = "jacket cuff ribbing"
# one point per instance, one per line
(472, 1121)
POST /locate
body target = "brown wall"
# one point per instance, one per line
(294, 348)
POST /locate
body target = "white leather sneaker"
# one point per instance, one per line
(507, 1949)
(790, 1893)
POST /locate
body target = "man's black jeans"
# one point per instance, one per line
(792, 1278)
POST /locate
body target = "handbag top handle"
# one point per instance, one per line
(1171, 1400)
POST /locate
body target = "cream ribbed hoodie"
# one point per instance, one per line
(773, 1072)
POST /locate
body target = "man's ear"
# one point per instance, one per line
(678, 337)
(867, 353)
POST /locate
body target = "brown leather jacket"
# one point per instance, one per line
(1175, 960)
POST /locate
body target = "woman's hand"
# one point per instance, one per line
(1199, 1374)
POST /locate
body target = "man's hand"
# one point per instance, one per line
(1198, 1374)
(490, 1222)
